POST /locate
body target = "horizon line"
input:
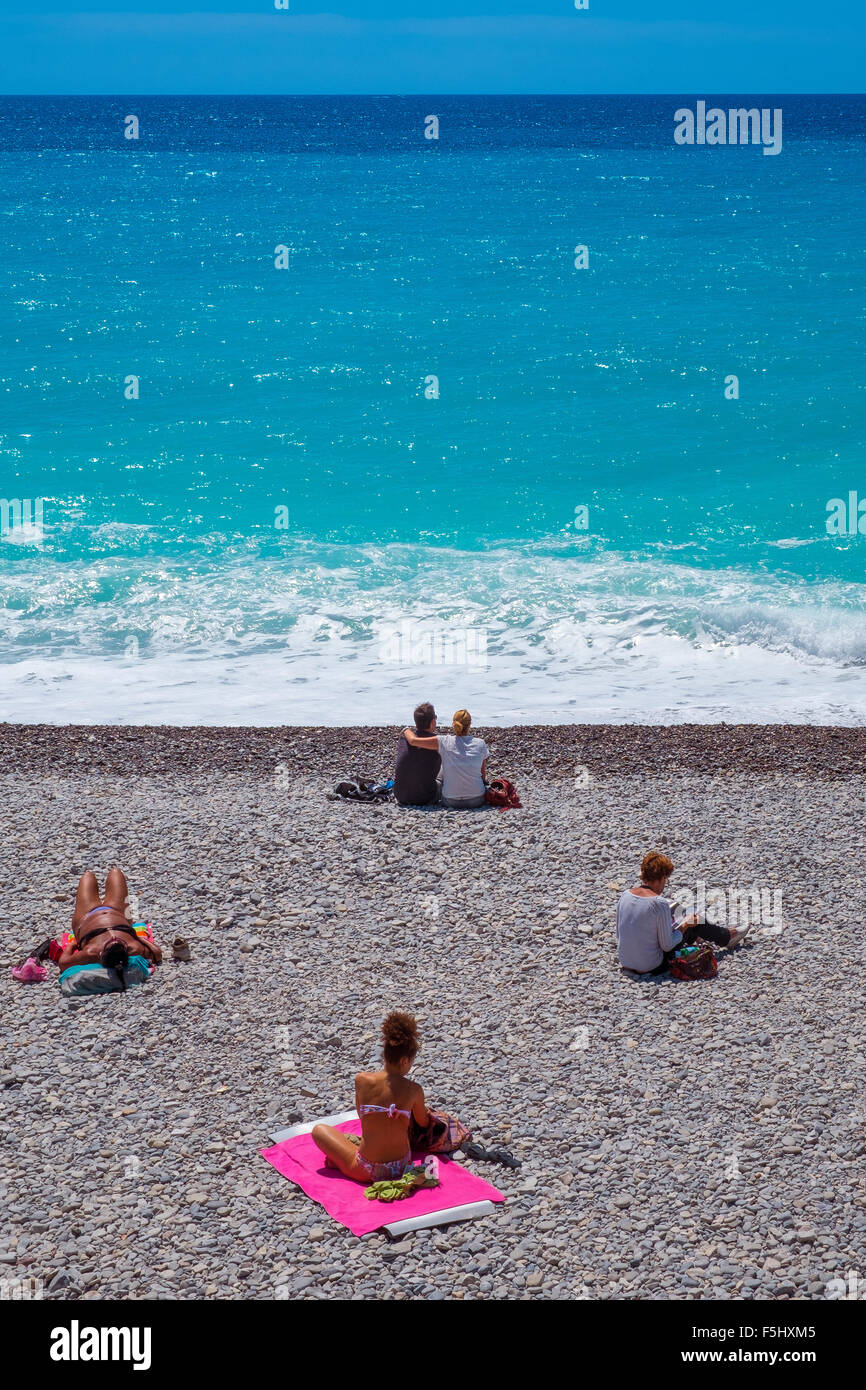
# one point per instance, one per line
(390, 96)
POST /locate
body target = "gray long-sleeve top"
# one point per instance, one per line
(644, 931)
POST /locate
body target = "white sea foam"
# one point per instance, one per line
(336, 634)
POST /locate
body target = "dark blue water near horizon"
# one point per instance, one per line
(366, 125)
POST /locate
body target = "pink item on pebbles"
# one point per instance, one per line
(30, 973)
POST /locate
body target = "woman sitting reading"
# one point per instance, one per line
(646, 933)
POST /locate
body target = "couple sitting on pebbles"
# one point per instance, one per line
(448, 768)
(647, 934)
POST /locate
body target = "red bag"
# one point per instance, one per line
(502, 794)
(697, 964)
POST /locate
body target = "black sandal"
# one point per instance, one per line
(39, 953)
(497, 1155)
(473, 1150)
(500, 1155)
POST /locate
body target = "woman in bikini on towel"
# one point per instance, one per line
(385, 1101)
(103, 932)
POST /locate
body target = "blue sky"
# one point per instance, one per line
(430, 46)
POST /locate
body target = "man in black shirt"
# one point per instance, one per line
(416, 768)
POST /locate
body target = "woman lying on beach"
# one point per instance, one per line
(464, 762)
(385, 1101)
(645, 930)
(102, 933)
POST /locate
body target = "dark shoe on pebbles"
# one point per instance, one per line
(497, 1155)
(472, 1150)
(502, 1156)
(180, 949)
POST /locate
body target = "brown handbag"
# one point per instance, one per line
(443, 1135)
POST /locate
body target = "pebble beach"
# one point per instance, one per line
(678, 1140)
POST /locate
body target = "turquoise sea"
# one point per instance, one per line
(289, 525)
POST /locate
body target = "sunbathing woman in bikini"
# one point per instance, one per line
(385, 1100)
(104, 934)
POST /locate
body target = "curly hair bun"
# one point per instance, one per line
(461, 722)
(400, 1036)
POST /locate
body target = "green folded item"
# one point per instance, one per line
(395, 1189)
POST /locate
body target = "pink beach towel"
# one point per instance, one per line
(301, 1162)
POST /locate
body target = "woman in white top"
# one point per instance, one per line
(464, 762)
(647, 935)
